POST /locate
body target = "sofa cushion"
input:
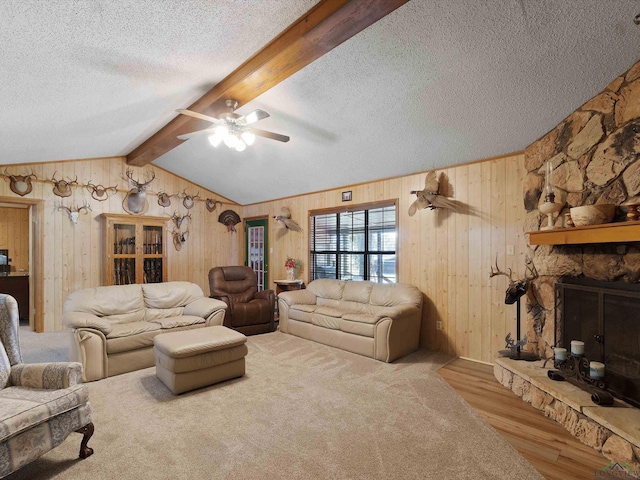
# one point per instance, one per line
(329, 311)
(152, 314)
(134, 328)
(327, 288)
(302, 315)
(170, 294)
(179, 321)
(395, 294)
(358, 328)
(23, 408)
(137, 316)
(326, 321)
(102, 301)
(359, 292)
(362, 317)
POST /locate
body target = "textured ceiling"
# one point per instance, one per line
(432, 84)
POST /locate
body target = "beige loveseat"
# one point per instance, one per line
(379, 321)
(112, 328)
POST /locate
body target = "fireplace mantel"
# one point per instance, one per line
(606, 233)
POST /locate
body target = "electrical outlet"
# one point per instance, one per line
(439, 325)
(510, 250)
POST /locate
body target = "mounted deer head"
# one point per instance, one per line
(137, 197)
(178, 219)
(20, 184)
(189, 200)
(74, 213)
(179, 238)
(516, 288)
(164, 199)
(100, 193)
(62, 188)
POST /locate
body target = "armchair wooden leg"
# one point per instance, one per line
(87, 431)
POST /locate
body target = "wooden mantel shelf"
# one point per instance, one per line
(605, 233)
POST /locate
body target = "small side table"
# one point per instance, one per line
(287, 285)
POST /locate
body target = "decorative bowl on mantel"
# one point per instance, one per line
(592, 214)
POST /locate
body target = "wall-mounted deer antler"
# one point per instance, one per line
(178, 219)
(62, 188)
(164, 199)
(74, 213)
(99, 192)
(179, 238)
(189, 200)
(212, 204)
(20, 184)
(516, 288)
(136, 200)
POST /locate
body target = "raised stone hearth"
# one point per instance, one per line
(614, 431)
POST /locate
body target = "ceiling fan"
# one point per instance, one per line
(231, 128)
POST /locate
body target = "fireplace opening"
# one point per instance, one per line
(606, 317)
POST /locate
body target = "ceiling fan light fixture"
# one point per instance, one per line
(248, 137)
(240, 146)
(215, 139)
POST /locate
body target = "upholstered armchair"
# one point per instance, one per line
(40, 403)
(250, 312)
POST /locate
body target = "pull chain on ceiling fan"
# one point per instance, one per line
(231, 128)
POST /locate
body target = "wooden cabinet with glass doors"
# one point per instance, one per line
(135, 249)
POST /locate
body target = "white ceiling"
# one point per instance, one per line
(432, 84)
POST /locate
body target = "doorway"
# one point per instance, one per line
(257, 248)
(25, 279)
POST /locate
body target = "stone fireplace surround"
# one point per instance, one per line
(595, 154)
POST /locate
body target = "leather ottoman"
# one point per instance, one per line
(192, 359)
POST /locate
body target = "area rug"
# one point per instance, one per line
(302, 411)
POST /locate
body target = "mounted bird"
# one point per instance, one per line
(285, 220)
(431, 196)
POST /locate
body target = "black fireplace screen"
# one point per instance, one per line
(606, 317)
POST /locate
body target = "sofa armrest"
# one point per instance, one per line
(204, 307)
(293, 297)
(268, 295)
(86, 320)
(402, 311)
(226, 299)
(51, 376)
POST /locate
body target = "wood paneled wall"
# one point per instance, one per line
(447, 255)
(14, 235)
(73, 255)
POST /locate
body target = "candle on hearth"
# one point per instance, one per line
(596, 370)
(577, 348)
(560, 354)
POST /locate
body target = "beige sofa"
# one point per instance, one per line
(379, 321)
(113, 328)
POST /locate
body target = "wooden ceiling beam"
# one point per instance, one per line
(321, 29)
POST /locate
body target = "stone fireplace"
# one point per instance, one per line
(595, 155)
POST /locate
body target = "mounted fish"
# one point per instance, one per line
(135, 202)
(62, 188)
(212, 204)
(164, 199)
(189, 200)
(20, 184)
(285, 220)
(230, 219)
(432, 196)
(74, 213)
(100, 193)
(179, 238)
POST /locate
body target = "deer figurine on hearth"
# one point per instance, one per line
(515, 290)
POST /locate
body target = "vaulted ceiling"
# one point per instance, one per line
(431, 84)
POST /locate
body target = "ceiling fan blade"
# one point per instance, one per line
(271, 135)
(252, 117)
(184, 111)
(187, 136)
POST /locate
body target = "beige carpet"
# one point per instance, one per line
(303, 411)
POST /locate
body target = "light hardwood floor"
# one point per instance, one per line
(551, 449)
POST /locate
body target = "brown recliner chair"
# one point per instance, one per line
(249, 311)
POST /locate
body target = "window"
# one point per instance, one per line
(355, 244)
